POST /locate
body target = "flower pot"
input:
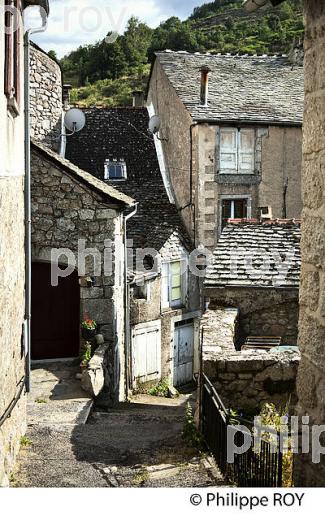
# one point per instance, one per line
(88, 333)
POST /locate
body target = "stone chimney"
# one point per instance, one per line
(138, 98)
(66, 95)
(204, 86)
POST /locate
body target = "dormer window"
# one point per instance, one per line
(115, 170)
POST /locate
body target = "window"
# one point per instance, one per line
(233, 208)
(174, 284)
(237, 150)
(12, 87)
(142, 292)
(115, 170)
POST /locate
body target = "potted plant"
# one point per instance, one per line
(85, 356)
(88, 329)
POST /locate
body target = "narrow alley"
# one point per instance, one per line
(138, 444)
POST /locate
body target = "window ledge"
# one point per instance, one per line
(13, 106)
(238, 178)
(172, 309)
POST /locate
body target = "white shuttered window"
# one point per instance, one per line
(237, 150)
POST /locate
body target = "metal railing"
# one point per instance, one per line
(254, 468)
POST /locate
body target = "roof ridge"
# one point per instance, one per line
(224, 55)
(84, 176)
(270, 222)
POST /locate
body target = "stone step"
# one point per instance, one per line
(69, 412)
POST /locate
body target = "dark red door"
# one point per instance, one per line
(55, 314)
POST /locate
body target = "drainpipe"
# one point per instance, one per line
(27, 195)
(127, 335)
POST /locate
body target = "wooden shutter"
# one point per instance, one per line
(228, 150)
(226, 211)
(13, 41)
(9, 55)
(147, 351)
(246, 149)
(240, 208)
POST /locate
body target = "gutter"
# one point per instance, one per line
(27, 195)
(127, 330)
(263, 287)
(238, 122)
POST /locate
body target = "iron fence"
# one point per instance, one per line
(253, 468)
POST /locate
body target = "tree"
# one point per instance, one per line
(52, 54)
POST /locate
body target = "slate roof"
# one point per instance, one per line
(265, 247)
(122, 133)
(82, 176)
(264, 89)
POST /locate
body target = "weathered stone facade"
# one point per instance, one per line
(191, 155)
(45, 98)
(276, 182)
(12, 273)
(149, 310)
(248, 379)
(311, 376)
(120, 133)
(83, 210)
(262, 312)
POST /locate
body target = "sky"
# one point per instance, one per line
(79, 22)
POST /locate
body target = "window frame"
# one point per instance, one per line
(109, 163)
(237, 151)
(234, 198)
(12, 66)
(167, 274)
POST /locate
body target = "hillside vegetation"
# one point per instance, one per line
(107, 73)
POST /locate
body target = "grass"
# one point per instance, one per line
(41, 400)
(25, 441)
(161, 389)
(141, 478)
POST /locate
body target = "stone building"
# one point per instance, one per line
(311, 376)
(164, 298)
(13, 339)
(256, 268)
(252, 286)
(77, 227)
(45, 98)
(246, 379)
(230, 137)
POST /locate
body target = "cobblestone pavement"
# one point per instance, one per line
(138, 444)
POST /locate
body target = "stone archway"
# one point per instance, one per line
(55, 314)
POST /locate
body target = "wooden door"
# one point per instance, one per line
(55, 314)
(146, 341)
(183, 353)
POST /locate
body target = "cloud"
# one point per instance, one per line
(79, 22)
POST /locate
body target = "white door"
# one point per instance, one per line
(146, 340)
(183, 353)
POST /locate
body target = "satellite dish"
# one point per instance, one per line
(74, 120)
(154, 124)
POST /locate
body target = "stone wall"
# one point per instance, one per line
(147, 310)
(262, 312)
(175, 130)
(248, 379)
(77, 212)
(277, 163)
(45, 98)
(311, 376)
(12, 272)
